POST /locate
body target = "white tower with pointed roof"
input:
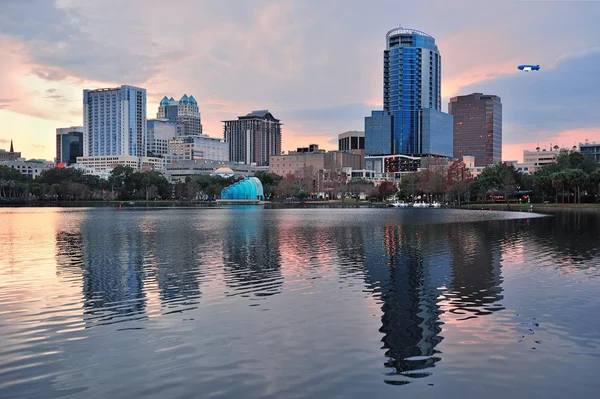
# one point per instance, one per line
(185, 111)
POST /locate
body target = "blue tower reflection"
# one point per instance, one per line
(405, 266)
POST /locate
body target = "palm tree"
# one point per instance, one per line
(3, 185)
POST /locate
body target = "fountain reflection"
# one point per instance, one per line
(251, 254)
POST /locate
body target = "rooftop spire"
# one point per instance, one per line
(11, 146)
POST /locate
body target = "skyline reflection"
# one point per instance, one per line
(419, 275)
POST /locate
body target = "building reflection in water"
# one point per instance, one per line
(408, 268)
(174, 257)
(113, 263)
(251, 253)
(414, 272)
(475, 286)
(405, 265)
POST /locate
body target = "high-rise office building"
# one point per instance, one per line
(69, 144)
(185, 111)
(477, 127)
(411, 122)
(114, 121)
(160, 131)
(253, 138)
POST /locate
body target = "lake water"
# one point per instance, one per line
(298, 303)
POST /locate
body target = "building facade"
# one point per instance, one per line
(541, 157)
(109, 162)
(477, 127)
(160, 131)
(254, 138)
(69, 144)
(593, 149)
(393, 167)
(114, 122)
(179, 170)
(411, 122)
(352, 141)
(297, 162)
(198, 147)
(184, 111)
(31, 169)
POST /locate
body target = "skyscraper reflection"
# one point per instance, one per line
(113, 264)
(404, 265)
(175, 252)
(475, 286)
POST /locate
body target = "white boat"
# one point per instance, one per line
(421, 205)
(436, 204)
(400, 204)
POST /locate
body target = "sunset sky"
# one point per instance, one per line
(315, 64)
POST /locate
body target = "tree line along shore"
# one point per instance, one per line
(573, 179)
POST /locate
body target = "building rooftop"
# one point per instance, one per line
(259, 114)
(223, 170)
(406, 31)
(185, 100)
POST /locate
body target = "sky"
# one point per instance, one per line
(315, 64)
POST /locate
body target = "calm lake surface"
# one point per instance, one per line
(298, 303)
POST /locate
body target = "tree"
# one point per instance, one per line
(458, 180)
(576, 179)
(359, 186)
(146, 182)
(287, 186)
(302, 195)
(559, 180)
(431, 181)
(542, 183)
(269, 182)
(120, 178)
(408, 186)
(385, 190)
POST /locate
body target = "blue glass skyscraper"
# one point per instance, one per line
(412, 98)
(114, 121)
(69, 144)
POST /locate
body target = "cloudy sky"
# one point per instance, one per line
(315, 64)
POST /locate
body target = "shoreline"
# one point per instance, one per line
(295, 204)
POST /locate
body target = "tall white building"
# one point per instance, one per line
(114, 121)
(184, 111)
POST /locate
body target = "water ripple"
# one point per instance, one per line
(297, 303)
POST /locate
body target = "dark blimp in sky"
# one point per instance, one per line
(528, 68)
